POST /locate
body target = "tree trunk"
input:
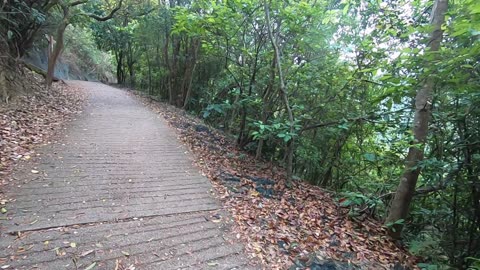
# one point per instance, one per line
(176, 45)
(52, 60)
(149, 64)
(265, 107)
(423, 104)
(167, 65)
(119, 60)
(130, 64)
(329, 161)
(4, 85)
(189, 73)
(243, 120)
(283, 93)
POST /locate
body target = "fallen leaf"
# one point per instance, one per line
(59, 252)
(85, 253)
(277, 222)
(91, 266)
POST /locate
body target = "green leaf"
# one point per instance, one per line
(400, 221)
(206, 113)
(475, 9)
(428, 266)
(345, 9)
(459, 32)
(343, 126)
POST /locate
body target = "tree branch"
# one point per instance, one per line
(283, 91)
(443, 183)
(109, 16)
(76, 3)
(368, 117)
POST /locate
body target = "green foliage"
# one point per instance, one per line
(19, 23)
(279, 130)
(216, 108)
(428, 245)
(359, 203)
(391, 225)
(473, 262)
(82, 52)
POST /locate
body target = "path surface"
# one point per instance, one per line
(116, 190)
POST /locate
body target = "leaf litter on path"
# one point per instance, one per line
(281, 226)
(31, 118)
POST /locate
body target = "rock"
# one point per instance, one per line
(202, 128)
(315, 263)
(264, 186)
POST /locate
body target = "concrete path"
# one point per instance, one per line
(117, 190)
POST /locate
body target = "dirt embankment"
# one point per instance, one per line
(31, 116)
(65, 69)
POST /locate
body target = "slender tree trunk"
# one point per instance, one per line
(149, 64)
(188, 78)
(119, 59)
(130, 54)
(167, 64)
(176, 45)
(265, 107)
(234, 114)
(472, 176)
(52, 59)
(243, 119)
(4, 84)
(423, 102)
(188, 91)
(121, 68)
(284, 95)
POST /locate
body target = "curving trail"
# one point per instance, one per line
(116, 190)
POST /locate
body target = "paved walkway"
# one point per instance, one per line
(117, 190)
